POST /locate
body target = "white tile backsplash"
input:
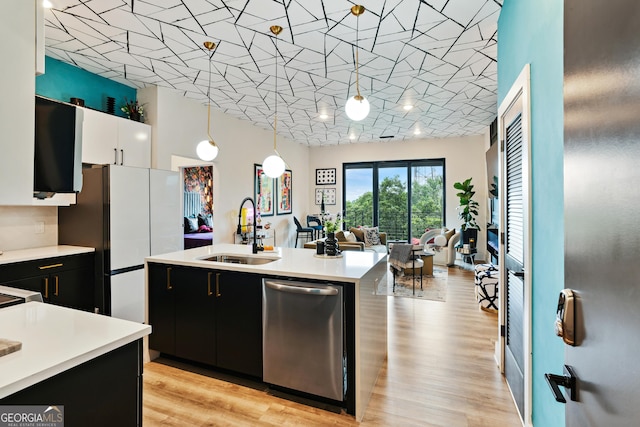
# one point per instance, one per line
(18, 226)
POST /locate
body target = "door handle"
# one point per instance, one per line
(115, 156)
(121, 157)
(569, 380)
(45, 267)
(218, 294)
(518, 273)
(55, 292)
(169, 287)
(301, 289)
(46, 288)
(209, 293)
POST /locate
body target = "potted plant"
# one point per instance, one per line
(467, 211)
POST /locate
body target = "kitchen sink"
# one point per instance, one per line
(239, 259)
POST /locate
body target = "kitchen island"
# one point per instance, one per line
(91, 364)
(205, 306)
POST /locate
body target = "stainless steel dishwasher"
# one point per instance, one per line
(303, 337)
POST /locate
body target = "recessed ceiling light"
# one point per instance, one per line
(408, 107)
(324, 116)
(352, 137)
(416, 132)
(47, 4)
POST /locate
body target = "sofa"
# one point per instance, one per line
(354, 240)
(445, 252)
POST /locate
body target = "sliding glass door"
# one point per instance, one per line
(393, 208)
(358, 196)
(402, 198)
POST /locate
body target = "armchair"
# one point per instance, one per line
(443, 254)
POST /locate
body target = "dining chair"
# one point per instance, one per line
(315, 223)
(302, 232)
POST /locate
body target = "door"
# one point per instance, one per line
(99, 138)
(514, 251)
(134, 143)
(72, 288)
(239, 323)
(162, 314)
(127, 296)
(601, 174)
(195, 296)
(128, 216)
(165, 213)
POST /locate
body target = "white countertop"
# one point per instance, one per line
(55, 339)
(9, 257)
(290, 262)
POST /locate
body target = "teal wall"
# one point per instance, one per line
(531, 31)
(62, 81)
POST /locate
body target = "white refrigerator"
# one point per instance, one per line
(123, 212)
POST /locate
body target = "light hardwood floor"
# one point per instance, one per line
(440, 372)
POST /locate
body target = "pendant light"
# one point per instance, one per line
(273, 165)
(207, 150)
(357, 107)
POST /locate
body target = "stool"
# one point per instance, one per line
(487, 278)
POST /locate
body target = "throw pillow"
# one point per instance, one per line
(190, 225)
(340, 237)
(204, 229)
(358, 232)
(371, 236)
(440, 240)
(448, 234)
(204, 220)
(350, 237)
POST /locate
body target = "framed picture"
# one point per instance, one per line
(325, 176)
(285, 190)
(263, 191)
(329, 195)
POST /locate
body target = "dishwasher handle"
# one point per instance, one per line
(301, 289)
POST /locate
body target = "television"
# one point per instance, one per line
(58, 148)
(493, 170)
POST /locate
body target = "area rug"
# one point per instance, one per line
(433, 287)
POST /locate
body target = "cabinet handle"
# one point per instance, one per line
(55, 293)
(218, 294)
(209, 293)
(169, 287)
(121, 157)
(115, 156)
(44, 267)
(46, 288)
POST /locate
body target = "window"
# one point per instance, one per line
(403, 198)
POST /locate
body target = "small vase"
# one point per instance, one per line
(135, 116)
(331, 245)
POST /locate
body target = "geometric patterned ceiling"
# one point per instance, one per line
(438, 56)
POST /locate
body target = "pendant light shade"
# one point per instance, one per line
(207, 150)
(357, 107)
(273, 165)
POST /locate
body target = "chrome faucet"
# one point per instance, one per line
(255, 247)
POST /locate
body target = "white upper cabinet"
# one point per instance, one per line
(107, 139)
(17, 105)
(134, 143)
(99, 138)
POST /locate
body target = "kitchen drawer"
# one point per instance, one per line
(44, 266)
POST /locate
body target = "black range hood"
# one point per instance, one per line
(58, 148)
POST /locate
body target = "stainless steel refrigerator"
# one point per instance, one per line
(112, 215)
